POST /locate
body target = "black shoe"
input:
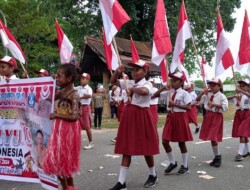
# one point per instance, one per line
(246, 155)
(197, 129)
(151, 181)
(119, 186)
(170, 168)
(216, 162)
(238, 158)
(183, 170)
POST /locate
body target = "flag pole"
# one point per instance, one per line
(5, 22)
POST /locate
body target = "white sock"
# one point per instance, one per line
(248, 147)
(241, 148)
(170, 156)
(184, 157)
(123, 174)
(216, 150)
(152, 171)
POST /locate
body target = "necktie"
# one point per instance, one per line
(211, 98)
(238, 100)
(173, 97)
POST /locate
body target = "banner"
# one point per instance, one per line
(25, 106)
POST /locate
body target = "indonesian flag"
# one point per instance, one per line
(113, 16)
(244, 50)
(10, 42)
(64, 45)
(203, 72)
(184, 71)
(162, 42)
(224, 58)
(135, 56)
(111, 57)
(183, 34)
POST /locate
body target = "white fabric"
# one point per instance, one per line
(65, 50)
(114, 62)
(84, 90)
(152, 171)
(154, 101)
(182, 97)
(141, 101)
(123, 174)
(219, 99)
(244, 103)
(241, 148)
(13, 77)
(170, 156)
(184, 157)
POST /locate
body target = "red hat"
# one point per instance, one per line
(9, 60)
(215, 81)
(86, 75)
(140, 63)
(45, 72)
(178, 75)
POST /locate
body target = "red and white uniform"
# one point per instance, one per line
(212, 125)
(154, 106)
(122, 101)
(85, 119)
(192, 114)
(241, 118)
(137, 134)
(176, 128)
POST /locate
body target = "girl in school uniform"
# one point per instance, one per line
(137, 134)
(192, 114)
(215, 103)
(154, 103)
(240, 127)
(8, 68)
(176, 128)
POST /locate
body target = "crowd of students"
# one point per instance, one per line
(136, 103)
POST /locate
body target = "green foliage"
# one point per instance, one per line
(238, 76)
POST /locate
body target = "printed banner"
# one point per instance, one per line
(25, 106)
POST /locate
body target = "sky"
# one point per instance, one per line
(234, 38)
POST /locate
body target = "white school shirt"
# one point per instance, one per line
(193, 96)
(182, 97)
(123, 96)
(154, 101)
(219, 99)
(86, 90)
(244, 102)
(138, 100)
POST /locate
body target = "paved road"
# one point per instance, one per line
(228, 177)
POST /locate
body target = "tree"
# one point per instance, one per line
(201, 14)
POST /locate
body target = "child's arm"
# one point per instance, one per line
(114, 78)
(231, 97)
(243, 92)
(184, 107)
(158, 92)
(143, 91)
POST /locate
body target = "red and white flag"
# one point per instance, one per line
(113, 16)
(135, 55)
(224, 58)
(183, 34)
(244, 49)
(111, 57)
(162, 42)
(64, 45)
(203, 71)
(10, 42)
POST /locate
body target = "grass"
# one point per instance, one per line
(113, 123)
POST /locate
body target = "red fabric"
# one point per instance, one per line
(182, 17)
(85, 119)
(239, 117)
(244, 50)
(63, 153)
(161, 32)
(137, 134)
(164, 71)
(192, 115)
(212, 127)
(244, 128)
(108, 52)
(211, 98)
(203, 63)
(154, 111)
(227, 59)
(176, 128)
(135, 56)
(120, 109)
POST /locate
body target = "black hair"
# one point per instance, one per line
(71, 70)
(39, 131)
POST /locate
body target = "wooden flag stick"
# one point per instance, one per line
(235, 80)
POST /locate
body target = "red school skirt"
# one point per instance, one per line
(239, 117)
(137, 134)
(154, 111)
(212, 127)
(176, 128)
(85, 119)
(120, 109)
(244, 128)
(192, 115)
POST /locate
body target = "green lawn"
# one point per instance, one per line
(113, 123)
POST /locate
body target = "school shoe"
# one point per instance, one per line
(246, 155)
(216, 161)
(238, 158)
(197, 129)
(119, 186)
(183, 170)
(151, 181)
(113, 140)
(170, 168)
(89, 146)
